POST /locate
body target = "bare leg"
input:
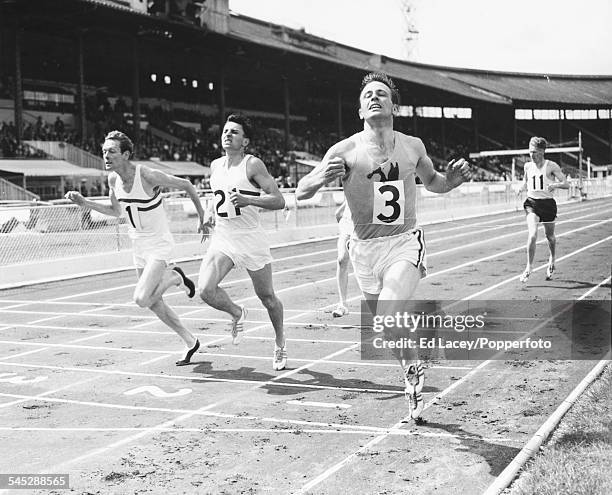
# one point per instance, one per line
(549, 229)
(147, 294)
(342, 269)
(264, 288)
(532, 236)
(215, 266)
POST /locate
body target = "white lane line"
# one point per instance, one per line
(99, 291)
(292, 431)
(91, 337)
(339, 465)
(336, 467)
(309, 403)
(154, 360)
(123, 441)
(604, 281)
(541, 267)
(48, 392)
(23, 353)
(430, 255)
(274, 382)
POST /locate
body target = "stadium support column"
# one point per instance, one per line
(80, 89)
(475, 124)
(287, 101)
(340, 125)
(136, 91)
(443, 135)
(221, 93)
(18, 89)
(561, 141)
(610, 137)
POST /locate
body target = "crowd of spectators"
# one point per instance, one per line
(183, 135)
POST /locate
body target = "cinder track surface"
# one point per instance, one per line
(88, 384)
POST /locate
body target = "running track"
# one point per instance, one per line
(88, 384)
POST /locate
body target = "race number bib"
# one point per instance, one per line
(389, 203)
(223, 207)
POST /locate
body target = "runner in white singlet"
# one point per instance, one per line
(541, 177)
(378, 167)
(135, 193)
(241, 185)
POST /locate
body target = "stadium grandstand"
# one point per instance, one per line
(172, 70)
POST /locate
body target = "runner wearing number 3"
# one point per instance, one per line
(241, 185)
(540, 206)
(378, 167)
(135, 194)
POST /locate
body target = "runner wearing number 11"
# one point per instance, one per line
(540, 178)
(378, 167)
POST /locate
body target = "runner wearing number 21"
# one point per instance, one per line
(241, 185)
(378, 167)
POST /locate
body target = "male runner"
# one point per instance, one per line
(345, 228)
(541, 177)
(135, 193)
(378, 167)
(241, 186)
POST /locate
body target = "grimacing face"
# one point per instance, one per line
(375, 100)
(232, 137)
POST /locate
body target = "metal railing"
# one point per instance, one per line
(68, 152)
(34, 232)
(13, 192)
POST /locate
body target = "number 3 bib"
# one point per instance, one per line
(389, 203)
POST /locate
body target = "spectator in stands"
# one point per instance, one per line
(59, 126)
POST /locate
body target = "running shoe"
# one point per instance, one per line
(340, 310)
(414, 378)
(279, 361)
(525, 276)
(186, 283)
(238, 326)
(188, 355)
(549, 271)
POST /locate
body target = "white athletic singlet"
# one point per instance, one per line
(382, 197)
(145, 214)
(538, 180)
(223, 180)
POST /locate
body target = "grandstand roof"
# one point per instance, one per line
(47, 168)
(507, 88)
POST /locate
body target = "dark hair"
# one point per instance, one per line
(125, 143)
(386, 80)
(244, 121)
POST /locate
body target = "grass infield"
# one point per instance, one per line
(576, 459)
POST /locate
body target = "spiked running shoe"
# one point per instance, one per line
(525, 276)
(414, 378)
(549, 271)
(186, 283)
(279, 361)
(238, 326)
(340, 310)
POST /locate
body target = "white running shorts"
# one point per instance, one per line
(248, 249)
(372, 257)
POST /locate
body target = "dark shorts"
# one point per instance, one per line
(546, 209)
